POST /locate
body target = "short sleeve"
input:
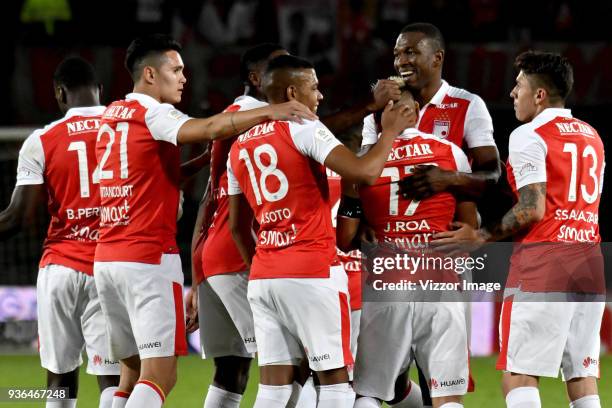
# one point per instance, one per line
(601, 177)
(478, 131)
(369, 133)
(313, 139)
(31, 163)
(164, 122)
(233, 188)
(527, 157)
(461, 160)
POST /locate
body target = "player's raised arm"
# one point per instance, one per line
(367, 168)
(224, 125)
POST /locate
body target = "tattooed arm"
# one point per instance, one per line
(527, 211)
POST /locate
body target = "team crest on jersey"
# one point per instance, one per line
(323, 134)
(441, 128)
(175, 114)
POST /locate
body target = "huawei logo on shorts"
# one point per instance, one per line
(588, 361)
(433, 383)
(97, 360)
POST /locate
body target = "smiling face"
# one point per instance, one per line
(525, 98)
(307, 88)
(416, 59)
(170, 78)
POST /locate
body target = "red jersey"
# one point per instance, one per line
(409, 223)
(219, 238)
(138, 168)
(278, 166)
(351, 261)
(568, 155)
(453, 114)
(62, 156)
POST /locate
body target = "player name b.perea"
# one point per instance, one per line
(408, 151)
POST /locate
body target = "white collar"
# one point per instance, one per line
(439, 95)
(145, 100)
(410, 132)
(550, 113)
(85, 111)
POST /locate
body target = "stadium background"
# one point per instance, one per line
(350, 43)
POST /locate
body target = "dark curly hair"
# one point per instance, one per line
(548, 70)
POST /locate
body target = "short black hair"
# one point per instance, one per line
(288, 62)
(254, 55)
(144, 47)
(430, 31)
(550, 70)
(74, 73)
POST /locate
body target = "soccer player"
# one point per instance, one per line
(225, 307)
(137, 266)
(297, 290)
(555, 166)
(394, 333)
(225, 319)
(450, 113)
(54, 167)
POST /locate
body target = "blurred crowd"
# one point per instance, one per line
(350, 41)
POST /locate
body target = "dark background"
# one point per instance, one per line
(350, 42)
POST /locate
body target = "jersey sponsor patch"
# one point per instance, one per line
(324, 135)
(175, 114)
(527, 169)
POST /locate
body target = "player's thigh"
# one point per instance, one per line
(276, 345)
(58, 291)
(93, 325)
(441, 346)
(156, 309)
(232, 291)
(384, 349)
(533, 335)
(317, 312)
(219, 336)
(112, 286)
(581, 353)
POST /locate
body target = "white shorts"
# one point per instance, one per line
(226, 320)
(143, 304)
(393, 334)
(70, 319)
(538, 338)
(297, 318)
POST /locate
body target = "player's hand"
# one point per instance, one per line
(191, 305)
(292, 110)
(397, 117)
(367, 234)
(383, 91)
(425, 181)
(461, 238)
